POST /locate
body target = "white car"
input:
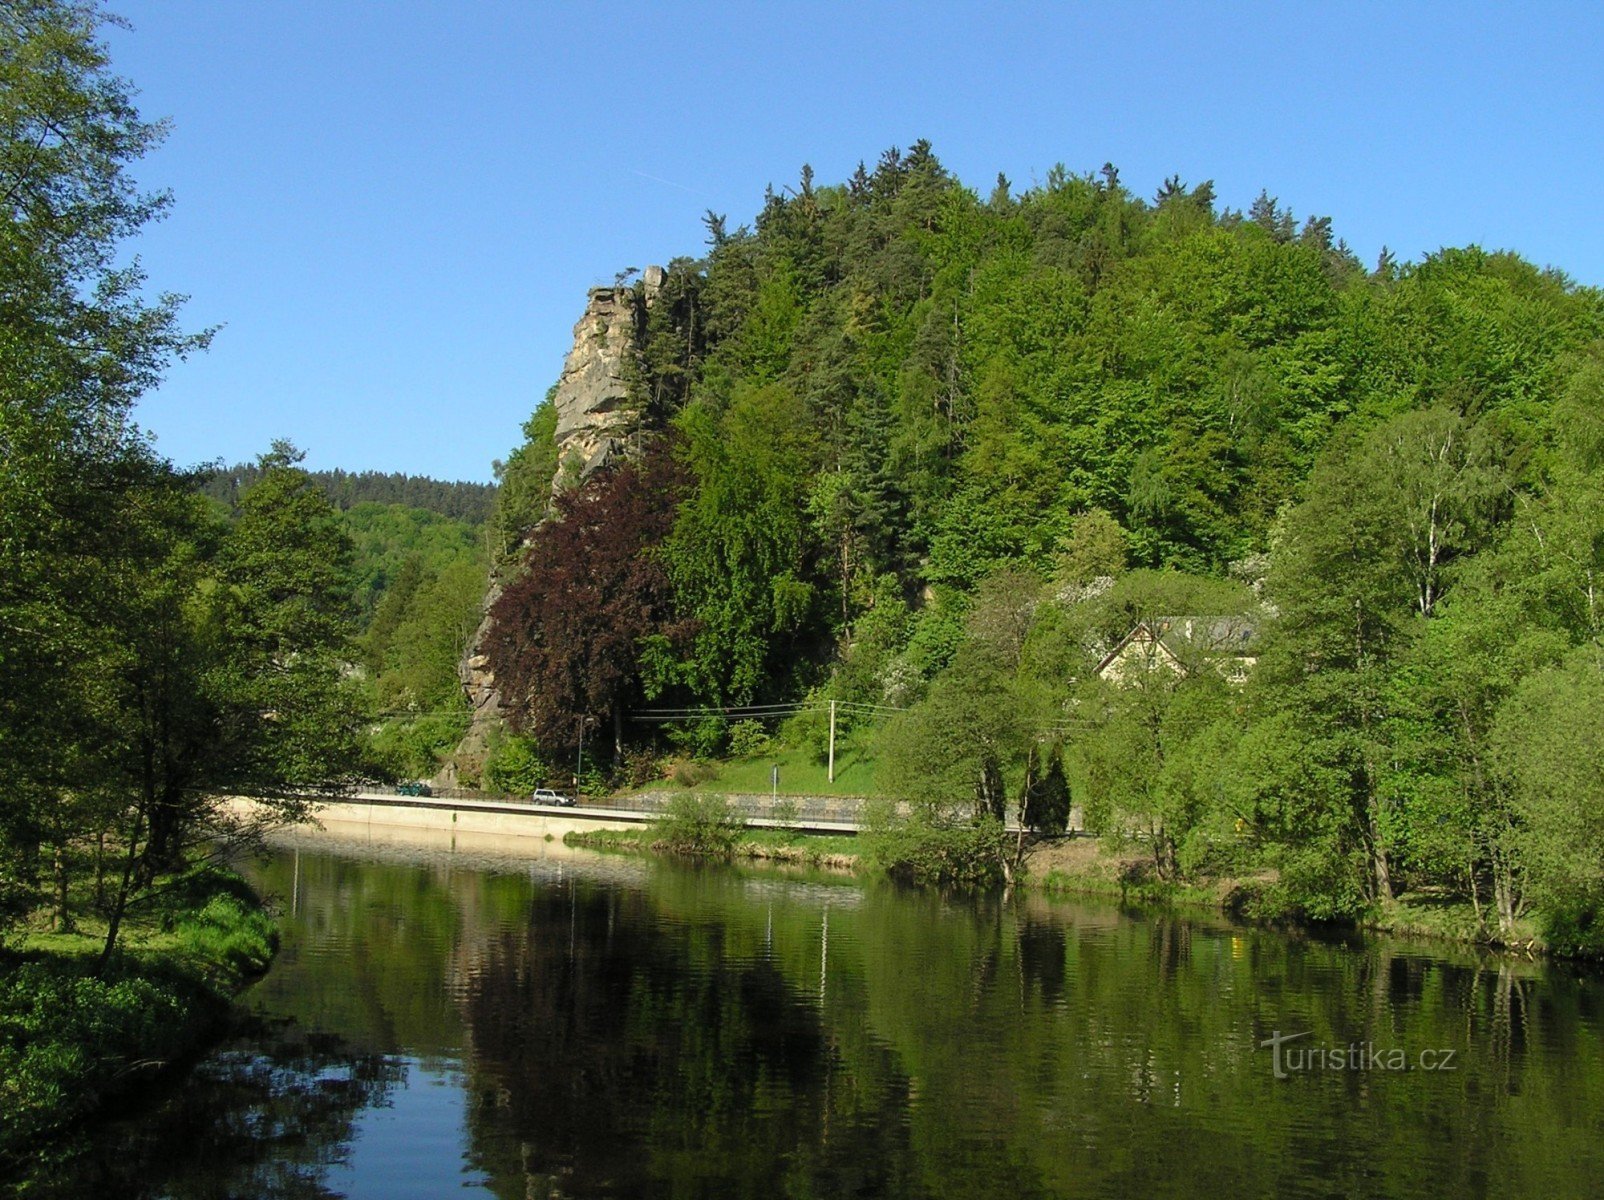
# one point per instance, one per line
(547, 796)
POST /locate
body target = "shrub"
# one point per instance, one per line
(700, 826)
(688, 773)
(640, 767)
(704, 737)
(515, 766)
(930, 853)
(69, 1038)
(748, 739)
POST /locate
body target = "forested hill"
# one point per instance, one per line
(930, 454)
(470, 502)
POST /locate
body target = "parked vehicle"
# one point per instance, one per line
(415, 787)
(548, 796)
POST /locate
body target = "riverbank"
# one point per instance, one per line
(775, 846)
(715, 827)
(74, 1040)
(1079, 867)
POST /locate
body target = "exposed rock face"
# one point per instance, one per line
(594, 414)
(594, 422)
(466, 764)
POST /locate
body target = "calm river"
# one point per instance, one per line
(442, 1025)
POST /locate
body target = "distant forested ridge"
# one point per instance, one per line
(939, 451)
(469, 502)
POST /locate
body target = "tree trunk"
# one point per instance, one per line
(1381, 875)
(1504, 897)
(63, 921)
(115, 920)
(100, 871)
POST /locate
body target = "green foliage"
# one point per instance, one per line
(737, 557)
(413, 747)
(515, 767)
(419, 668)
(466, 504)
(748, 739)
(70, 1037)
(930, 852)
(1549, 739)
(525, 482)
(698, 826)
(1094, 546)
(386, 538)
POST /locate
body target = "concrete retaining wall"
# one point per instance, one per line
(499, 819)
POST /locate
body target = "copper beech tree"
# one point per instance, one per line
(566, 634)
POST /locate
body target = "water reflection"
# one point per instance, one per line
(273, 1113)
(571, 1026)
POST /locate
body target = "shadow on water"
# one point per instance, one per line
(263, 1115)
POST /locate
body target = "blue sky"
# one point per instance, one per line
(394, 209)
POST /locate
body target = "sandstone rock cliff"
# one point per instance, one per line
(595, 421)
(594, 415)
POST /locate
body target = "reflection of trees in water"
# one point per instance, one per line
(676, 1038)
(614, 1053)
(263, 1121)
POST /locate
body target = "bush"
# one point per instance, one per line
(414, 747)
(704, 737)
(66, 1038)
(640, 767)
(699, 826)
(69, 1038)
(515, 767)
(931, 854)
(748, 739)
(1576, 927)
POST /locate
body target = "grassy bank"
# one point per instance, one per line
(1081, 868)
(72, 1038)
(801, 773)
(770, 845)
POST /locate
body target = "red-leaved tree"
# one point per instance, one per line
(566, 634)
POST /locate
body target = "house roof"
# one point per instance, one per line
(1212, 636)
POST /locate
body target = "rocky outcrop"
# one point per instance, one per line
(466, 764)
(595, 423)
(595, 416)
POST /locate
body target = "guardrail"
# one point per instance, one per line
(747, 804)
(619, 810)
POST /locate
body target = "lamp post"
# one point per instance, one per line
(579, 763)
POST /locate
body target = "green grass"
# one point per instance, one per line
(71, 1037)
(770, 845)
(801, 773)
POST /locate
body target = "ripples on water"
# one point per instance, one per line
(459, 1022)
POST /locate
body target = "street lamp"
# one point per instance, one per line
(579, 764)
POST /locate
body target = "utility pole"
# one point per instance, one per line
(579, 763)
(832, 741)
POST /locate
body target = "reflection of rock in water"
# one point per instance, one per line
(265, 1116)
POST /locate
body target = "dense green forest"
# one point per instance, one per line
(417, 578)
(470, 503)
(933, 454)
